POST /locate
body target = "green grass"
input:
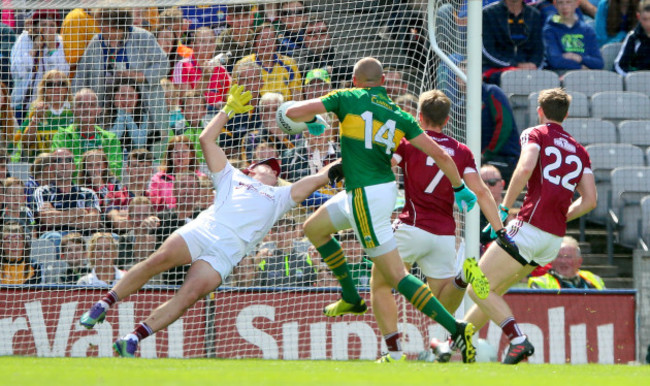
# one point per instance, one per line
(126, 372)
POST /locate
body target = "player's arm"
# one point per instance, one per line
(587, 200)
(305, 186)
(306, 111)
(484, 198)
(237, 103)
(523, 171)
(442, 159)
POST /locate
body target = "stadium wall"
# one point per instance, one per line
(641, 263)
(572, 327)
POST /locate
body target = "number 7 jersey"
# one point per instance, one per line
(561, 163)
(372, 126)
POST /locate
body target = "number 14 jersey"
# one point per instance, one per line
(561, 163)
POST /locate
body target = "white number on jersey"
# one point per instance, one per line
(384, 135)
(436, 179)
(556, 179)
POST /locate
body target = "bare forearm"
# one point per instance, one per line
(489, 208)
(517, 184)
(578, 209)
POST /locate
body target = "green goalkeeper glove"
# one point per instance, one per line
(316, 126)
(238, 101)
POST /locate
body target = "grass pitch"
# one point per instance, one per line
(124, 372)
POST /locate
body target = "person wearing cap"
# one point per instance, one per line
(244, 210)
(317, 84)
(37, 50)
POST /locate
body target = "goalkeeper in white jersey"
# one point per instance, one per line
(244, 210)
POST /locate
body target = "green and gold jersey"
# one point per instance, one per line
(371, 129)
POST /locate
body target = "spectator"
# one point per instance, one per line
(360, 267)
(124, 51)
(394, 83)
(238, 37)
(317, 84)
(102, 255)
(194, 110)
(36, 51)
(85, 134)
(14, 205)
(512, 38)
(73, 253)
(43, 171)
(137, 173)
(565, 271)
(15, 265)
(200, 72)
(279, 73)
(635, 52)
(318, 52)
(146, 18)
(408, 102)
(8, 124)
(65, 207)
(179, 158)
(49, 112)
(280, 264)
(292, 27)
(167, 40)
(614, 20)
(570, 44)
(79, 27)
(173, 98)
(7, 41)
(585, 8)
(129, 120)
(4, 160)
(268, 132)
(312, 152)
(491, 176)
(172, 19)
(95, 174)
(140, 240)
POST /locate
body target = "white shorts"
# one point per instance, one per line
(435, 254)
(219, 247)
(367, 211)
(535, 245)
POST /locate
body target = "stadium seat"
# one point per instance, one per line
(629, 186)
(592, 81)
(19, 170)
(645, 216)
(519, 84)
(605, 158)
(617, 106)
(609, 52)
(579, 107)
(590, 130)
(634, 132)
(638, 81)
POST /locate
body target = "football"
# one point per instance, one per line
(287, 125)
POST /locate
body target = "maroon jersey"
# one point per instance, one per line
(560, 166)
(429, 196)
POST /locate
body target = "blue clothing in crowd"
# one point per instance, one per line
(579, 39)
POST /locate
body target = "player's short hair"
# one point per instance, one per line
(434, 107)
(368, 70)
(570, 241)
(554, 103)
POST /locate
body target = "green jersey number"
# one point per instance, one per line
(384, 135)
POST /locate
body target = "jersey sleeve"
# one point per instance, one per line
(469, 163)
(332, 101)
(586, 162)
(411, 128)
(400, 153)
(530, 136)
(223, 183)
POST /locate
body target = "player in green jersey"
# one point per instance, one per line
(371, 129)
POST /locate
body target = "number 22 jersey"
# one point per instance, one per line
(561, 163)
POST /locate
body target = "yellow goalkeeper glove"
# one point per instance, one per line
(238, 101)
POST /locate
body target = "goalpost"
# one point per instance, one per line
(168, 83)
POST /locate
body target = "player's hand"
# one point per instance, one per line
(465, 198)
(507, 243)
(316, 126)
(503, 215)
(335, 173)
(238, 101)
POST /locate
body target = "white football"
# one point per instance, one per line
(285, 123)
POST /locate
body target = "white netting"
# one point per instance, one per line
(97, 203)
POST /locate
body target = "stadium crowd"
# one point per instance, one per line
(106, 107)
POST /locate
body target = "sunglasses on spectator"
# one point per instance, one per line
(143, 157)
(492, 181)
(56, 83)
(295, 12)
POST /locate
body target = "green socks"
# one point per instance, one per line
(422, 298)
(333, 256)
